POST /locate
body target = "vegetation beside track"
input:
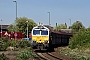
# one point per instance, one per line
(13, 46)
(78, 54)
(79, 46)
(26, 54)
(80, 40)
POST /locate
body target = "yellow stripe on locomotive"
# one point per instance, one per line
(41, 39)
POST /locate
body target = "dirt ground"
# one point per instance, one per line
(11, 55)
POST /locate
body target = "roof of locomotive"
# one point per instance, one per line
(40, 27)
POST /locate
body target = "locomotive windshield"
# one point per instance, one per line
(44, 32)
(36, 32)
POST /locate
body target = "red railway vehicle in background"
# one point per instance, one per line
(12, 35)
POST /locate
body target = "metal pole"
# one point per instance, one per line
(16, 8)
(49, 18)
(70, 22)
(27, 30)
(1, 29)
(16, 12)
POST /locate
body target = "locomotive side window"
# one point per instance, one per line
(36, 32)
(44, 32)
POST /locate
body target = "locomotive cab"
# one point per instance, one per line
(40, 37)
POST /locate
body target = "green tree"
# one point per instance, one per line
(77, 26)
(11, 27)
(21, 25)
(88, 29)
(60, 26)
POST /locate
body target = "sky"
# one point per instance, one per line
(61, 11)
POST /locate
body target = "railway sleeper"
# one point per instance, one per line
(42, 46)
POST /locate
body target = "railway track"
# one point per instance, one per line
(47, 56)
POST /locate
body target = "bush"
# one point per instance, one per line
(83, 58)
(4, 39)
(3, 46)
(4, 43)
(14, 43)
(23, 44)
(82, 38)
(26, 54)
